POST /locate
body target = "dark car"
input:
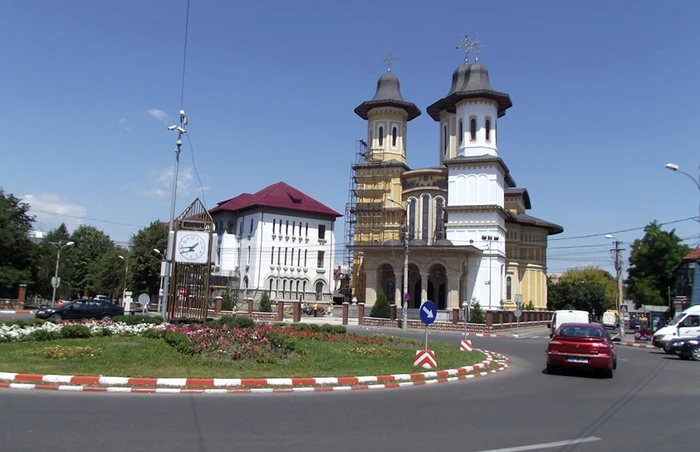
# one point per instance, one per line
(674, 345)
(81, 309)
(582, 346)
(689, 348)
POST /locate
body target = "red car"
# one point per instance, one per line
(582, 346)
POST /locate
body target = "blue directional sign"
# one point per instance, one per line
(428, 312)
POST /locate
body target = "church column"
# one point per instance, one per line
(371, 286)
(399, 286)
(453, 290)
(423, 286)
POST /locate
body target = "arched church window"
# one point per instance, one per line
(488, 129)
(426, 217)
(371, 137)
(461, 131)
(394, 136)
(509, 288)
(412, 224)
(381, 136)
(439, 224)
(445, 140)
(472, 129)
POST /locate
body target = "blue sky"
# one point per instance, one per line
(604, 96)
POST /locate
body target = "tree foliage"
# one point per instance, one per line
(144, 263)
(588, 289)
(17, 252)
(90, 245)
(652, 262)
(265, 305)
(476, 314)
(46, 264)
(381, 308)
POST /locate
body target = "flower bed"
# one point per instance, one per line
(46, 331)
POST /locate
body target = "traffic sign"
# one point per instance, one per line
(406, 298)
(428, 312)
(143, 299)
(518, 299)
(623, 308)
(55, 282)
(518, 313)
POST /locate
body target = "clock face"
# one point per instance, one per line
(191, 247)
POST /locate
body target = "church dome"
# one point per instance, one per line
(388, 94)
(393, 242)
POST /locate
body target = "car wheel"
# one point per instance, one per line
(56, 317)
(695, 353)
(615, 364)
(668, 352)
(106, 318)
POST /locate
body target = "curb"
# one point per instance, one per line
(627, 344)
(17, 312)
(488, 335)
(183, 385)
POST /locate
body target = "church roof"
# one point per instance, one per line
(280, 196)
(388, 95)
(470, 81)
(693, 256)
(528, 220)
(512, 191)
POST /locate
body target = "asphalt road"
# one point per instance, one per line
(650, 404)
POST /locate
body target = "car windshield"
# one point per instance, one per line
(580, 331)
(676, 319)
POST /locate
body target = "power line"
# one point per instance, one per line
(184, 57)
(621, 231)
(88, 218)
(194, 165)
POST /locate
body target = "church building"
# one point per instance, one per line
(469, 233)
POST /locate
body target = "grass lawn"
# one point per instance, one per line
(146, 357)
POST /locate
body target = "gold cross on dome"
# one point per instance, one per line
(388, 60)
(469, 45)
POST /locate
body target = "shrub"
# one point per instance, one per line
(476, 314)
(382, 308)
(151, 334)
(44, 335)
(136, 319)
(229, 299)
(178, 341)
(237, 322)
(265, 305)
(306, 327)
(75, 332)
(334, 329)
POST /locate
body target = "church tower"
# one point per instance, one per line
(477, 176)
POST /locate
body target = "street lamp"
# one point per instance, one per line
(56, 282)
(160, 286)
(675, 168)
(126, 275)
(618, 271)
(404, 301)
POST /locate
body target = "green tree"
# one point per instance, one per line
(108, 272)
(90, 245)
(476, 314)
(144, 262)
(652, 262)
(586, 279)
(265, 305)
(18, 255)
(583, 295)
(47, 264)
(229, 299)
(381, 308)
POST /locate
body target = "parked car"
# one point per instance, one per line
(582, 346)
(567, 316)
(684, 325)
(81, 309)
(685, 348)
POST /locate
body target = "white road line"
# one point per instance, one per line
(588, 439)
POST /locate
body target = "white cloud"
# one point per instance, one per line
(122, 121)
(161, 183)
(51, 210)
(160, 115)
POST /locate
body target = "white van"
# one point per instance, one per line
(567, 316)
(686, 324)
(610, 319)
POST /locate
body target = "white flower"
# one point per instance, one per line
(16, 332)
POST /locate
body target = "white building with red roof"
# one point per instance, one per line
(279, 240)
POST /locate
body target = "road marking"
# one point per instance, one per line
(588, 439)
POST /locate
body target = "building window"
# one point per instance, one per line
(394, 136)
(461, 131)
(240, 228)
(319, 290)
(248, 260)
(412, 224)
(279, 254)
(321, 231)
(426, 217)
(285, 255)
(231, 227)
(381, 136)
(488, 129)
(270, 286)
(371, 136)
(284, 288)
(286, 228)
(320, 258)
(251, 226)
(306, 252)
(445, 140)
(272, 256)
(472, 129)
(291, 261)
(294, 226)
(274, 225)
(509, 288)
(439, 223)
(303, 292)
(299, 259)
(307, 229)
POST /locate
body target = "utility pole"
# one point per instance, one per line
(404, 321)
(171, 230)
(55, 282)
(620, 295)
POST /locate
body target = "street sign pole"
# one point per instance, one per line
(466, 317)
(428, 312)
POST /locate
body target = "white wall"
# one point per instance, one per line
(480, 110)
(475, 186)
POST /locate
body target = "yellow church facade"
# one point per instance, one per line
(469, 235)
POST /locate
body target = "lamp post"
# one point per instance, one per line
(618, 271)
(676, 169)
(55, 283)
(126, 275)
(489, 239)
(160, 285)
(404, 301)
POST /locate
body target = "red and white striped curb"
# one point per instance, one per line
(348, 383)
(17, 312)
(628, 344)
(487, 335)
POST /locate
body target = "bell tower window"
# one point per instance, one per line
(472, 129)
(461, 132)
(509, 288)
(488, 129)
(394, 136)
(371, 137)
(381, 136)
(445, 140)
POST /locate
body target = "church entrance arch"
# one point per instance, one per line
(415, 286)
(386, 279)
(437, 285)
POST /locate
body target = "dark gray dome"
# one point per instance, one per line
(417, 242)
(393, 242)
(443, 242)
(388, 94)
(469, 81)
